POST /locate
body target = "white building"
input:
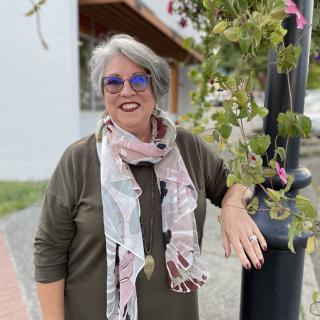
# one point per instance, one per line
(46, 99)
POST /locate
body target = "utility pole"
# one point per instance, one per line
(274, 292)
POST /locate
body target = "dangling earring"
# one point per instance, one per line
(156, 112)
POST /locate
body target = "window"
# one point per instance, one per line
(89, 101)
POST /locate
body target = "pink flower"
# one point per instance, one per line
(291, 8)
(252, 159)
(170, 7)
(183, 22)
(281, 172)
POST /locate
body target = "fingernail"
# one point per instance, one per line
(248, 266)
(264, 248)
(258, 266)
(261, 262)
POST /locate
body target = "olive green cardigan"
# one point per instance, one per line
(70, 242)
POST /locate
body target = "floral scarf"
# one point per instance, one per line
(121, 212)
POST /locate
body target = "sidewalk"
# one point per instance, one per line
(219, 299)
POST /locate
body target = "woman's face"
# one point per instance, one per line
(129, 109)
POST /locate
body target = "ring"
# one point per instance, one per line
(253, 237)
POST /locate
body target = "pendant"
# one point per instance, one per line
(148, 266)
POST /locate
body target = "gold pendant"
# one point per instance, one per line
(148, 266)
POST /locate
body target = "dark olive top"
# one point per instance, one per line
(70, 241)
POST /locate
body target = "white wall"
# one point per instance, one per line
(39, 90)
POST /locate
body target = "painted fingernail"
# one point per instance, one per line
(258, 266)
(261, 262)
(248, 266)
(264, 248)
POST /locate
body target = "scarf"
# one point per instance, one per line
(121, 212)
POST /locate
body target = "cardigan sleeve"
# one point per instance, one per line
(215, 173)
(56, 227)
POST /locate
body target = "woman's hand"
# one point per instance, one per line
(239, 230)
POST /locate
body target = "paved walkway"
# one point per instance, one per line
(12, 302)
(219, 299)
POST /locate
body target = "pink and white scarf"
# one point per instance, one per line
(121, 212)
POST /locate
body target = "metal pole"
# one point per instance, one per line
(274, 292)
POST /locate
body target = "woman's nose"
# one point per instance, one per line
(127, 90)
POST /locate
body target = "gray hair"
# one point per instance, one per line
(136, 52)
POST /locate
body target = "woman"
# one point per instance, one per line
(122, 220)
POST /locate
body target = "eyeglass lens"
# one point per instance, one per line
(138, 82)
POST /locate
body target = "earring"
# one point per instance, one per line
(156, 112)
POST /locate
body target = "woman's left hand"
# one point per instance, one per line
(239, 230)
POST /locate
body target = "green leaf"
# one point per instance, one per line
(242, 147)
(230, 116)
(232, 179)
(272, 163)
(188, 42)
(277, 36)
(229, 7)
(316, 296)
(278, 13)
(211, 66)
(274, 195)
(243, 113)
(208, 138)
(232, 34)
(220, 27)
(250, 37)
(306, 207)
(207, 4)
(198, 129)
(282, 124)
(279, 215)
(258, 179)
(262, 112)
(243, 4)
(253, 205)
(230, 83)
(288, 57)
(305, 124)
(295, 228)
(268, 172)
(225, 131)
(250, 82)
(215, 116)
(311, 245)
(259, 144)
(254, 110)
(281, 152)
(241, 97)
(290, 181)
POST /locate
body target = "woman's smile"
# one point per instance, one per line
(129, 107)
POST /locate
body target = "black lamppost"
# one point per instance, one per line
(274, 292)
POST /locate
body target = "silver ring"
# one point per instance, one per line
(253, 238)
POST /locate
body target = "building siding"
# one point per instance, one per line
(39, 107)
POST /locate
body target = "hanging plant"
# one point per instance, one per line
(249, 29)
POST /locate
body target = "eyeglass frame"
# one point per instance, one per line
(144, 74)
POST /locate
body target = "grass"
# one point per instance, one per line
(16, 195)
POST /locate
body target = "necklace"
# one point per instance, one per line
(149, 261)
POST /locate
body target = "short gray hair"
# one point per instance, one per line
(136, 52)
